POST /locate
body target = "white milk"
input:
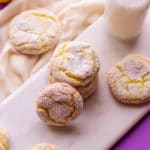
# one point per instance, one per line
(124, 18)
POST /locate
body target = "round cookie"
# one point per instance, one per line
(3, 140)
(76, 64)
(58, 104)
(45, 147)
(34, 31)
(129, 80)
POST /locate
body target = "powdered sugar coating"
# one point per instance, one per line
(74, 63)
(58, 104)
(129, 80)
(34, 31)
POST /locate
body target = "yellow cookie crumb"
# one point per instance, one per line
(3, 140)
(129, 80)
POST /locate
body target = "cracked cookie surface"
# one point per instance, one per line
(77, 64)
(3, 140)
(129, 80)
(34, 31)
(45, 147)
(58, 104)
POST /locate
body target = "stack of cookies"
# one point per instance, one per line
(73, 71)
(76, 64)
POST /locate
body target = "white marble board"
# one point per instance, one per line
(103, 121)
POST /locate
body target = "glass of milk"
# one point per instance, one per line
(124, 18)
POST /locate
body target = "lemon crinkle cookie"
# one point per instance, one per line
(76, 64)
(44, 147)
(3, 140)
(58, 104)
(129, 80)
(34, 31)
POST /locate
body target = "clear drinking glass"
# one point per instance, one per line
(124, 18)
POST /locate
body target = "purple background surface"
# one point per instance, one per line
(138, 138)
(2, 5)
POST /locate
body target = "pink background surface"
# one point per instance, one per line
(138, 138)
